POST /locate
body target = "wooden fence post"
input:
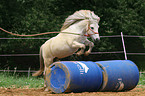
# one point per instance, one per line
(15, 70)
(29, 72)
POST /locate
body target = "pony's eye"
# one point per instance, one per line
(92, 28)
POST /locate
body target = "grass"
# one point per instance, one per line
(142, 80)
(8, 80)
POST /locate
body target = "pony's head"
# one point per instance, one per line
(83, 15)
(92, 30)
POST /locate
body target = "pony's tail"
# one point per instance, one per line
(39, 72)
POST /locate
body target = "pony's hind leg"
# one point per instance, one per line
(47, 62)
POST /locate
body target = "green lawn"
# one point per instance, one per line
(20, 81)
(142, 80)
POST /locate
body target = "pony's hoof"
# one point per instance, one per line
(87, 53)
(78, 53)
(46, 90)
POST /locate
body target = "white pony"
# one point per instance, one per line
(73, 35)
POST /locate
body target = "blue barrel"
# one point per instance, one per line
(118, 75)
(74, 76)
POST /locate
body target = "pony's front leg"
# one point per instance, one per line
(76, 44)
(91, 45)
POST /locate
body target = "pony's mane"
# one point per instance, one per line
(78, 16)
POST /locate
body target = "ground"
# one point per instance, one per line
(39, 92)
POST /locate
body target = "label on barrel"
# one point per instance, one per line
(82, 67)
(120, 85)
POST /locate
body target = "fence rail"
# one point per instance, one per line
(31, 71)
(7, 55)
(17, 71)
(115, 52)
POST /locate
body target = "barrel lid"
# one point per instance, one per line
(58, 78)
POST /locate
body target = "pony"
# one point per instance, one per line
(73, 36)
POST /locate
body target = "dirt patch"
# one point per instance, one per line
(40, 92)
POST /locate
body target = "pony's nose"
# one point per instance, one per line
(98, 38)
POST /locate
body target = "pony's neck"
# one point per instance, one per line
(78, 28)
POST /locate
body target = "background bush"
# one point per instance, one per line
(30, 17)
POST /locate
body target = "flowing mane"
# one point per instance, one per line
(78, 16)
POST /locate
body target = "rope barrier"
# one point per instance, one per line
(100, 37)
(27, 35)
(59, 32)
(7, 55)
(23, 38)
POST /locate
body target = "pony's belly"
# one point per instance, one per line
(64, 53)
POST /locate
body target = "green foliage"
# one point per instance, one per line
(30, 17)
